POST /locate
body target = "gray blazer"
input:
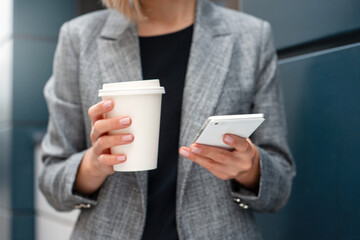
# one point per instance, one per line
(232, 70)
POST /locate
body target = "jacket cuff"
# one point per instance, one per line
(57, 183)
(79, 200)
(249, 199)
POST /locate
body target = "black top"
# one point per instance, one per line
(165, 57)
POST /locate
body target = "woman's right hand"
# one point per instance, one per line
(98, 162)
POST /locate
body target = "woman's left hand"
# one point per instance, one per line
(241, 163)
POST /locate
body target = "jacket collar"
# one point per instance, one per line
(210, 56)
(115, 26)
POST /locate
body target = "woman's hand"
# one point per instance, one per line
(98, 163)
(241, 163)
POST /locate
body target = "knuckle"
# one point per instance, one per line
(248, 147)
(243, 147)
(192, 157)
(96, 127)
(102, 159)
(222, 157)
(92, 138)
(91, 111)
(95, 150)
(252, 154)
(210, 165)
(92, 134)
(101, 142)
(246, 166)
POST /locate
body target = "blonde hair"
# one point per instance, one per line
(131, 9)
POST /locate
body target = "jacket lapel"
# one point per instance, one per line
(210, 56)
(119, 54)
(118, 49)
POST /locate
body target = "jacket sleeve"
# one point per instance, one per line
(64, 144)
(277, 167)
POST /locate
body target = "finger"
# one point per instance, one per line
(209, 164)
(232, 162)
(239, 143)
(217, 154)
(111, 160)
(96, 111)
(105, 125)
(108, 141)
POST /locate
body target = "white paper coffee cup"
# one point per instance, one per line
(140, 100)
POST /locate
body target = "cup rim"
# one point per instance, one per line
(131, 91)
(153, 83)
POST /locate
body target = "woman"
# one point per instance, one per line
(212, 61)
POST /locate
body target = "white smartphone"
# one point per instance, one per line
(213, 130)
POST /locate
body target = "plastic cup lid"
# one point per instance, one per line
(132, 88)
(133, 84)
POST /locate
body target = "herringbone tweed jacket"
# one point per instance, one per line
(231, 70)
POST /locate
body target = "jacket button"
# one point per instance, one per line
(240, 203)
(244, 206)
(237, 200)
(83, 205)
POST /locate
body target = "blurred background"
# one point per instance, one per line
(318, 44)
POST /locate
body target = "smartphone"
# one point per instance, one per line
(214, 128)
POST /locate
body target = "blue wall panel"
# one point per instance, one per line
(35, 29)
(32, 68)
(322, 100)
(23, 170)
(23, 226)
(16, 225)
(41, 18)
(296, 22)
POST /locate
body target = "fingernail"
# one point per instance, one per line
(125, 121)
(107, 104)
(229, 139)
(121, 158)
(196, 150)
(127, 138)
(184, 153)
